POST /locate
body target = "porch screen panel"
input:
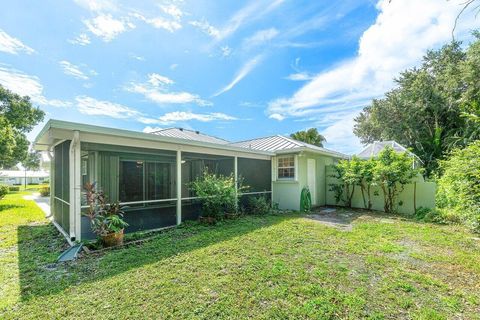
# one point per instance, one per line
(61, 208)
(193, 165)
(256, 176)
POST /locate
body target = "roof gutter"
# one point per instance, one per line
(306, 149)
(65, 125)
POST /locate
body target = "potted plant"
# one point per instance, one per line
(106, 219)
(217, 194)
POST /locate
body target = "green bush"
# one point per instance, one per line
(216, 192)
(459, 187)
(33, 183)
(258, 205)
(3, 191)
(44, 191)
(14, 188)
(390, 171)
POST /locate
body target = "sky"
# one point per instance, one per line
(233, 69)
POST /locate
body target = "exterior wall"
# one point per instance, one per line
(424, 195)
(287, 192)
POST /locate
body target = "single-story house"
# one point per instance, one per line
(17, 177)
(150, 172)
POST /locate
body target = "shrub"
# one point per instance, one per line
(33, 183)
(3, 191)
(305, 200)
(44, 191)
(216, 192)
(258, 205)
(14, 188)
(105, 218)
(459, 186)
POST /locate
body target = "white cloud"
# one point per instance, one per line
(244, 71)
(251, 12)
(206, 28)
(398, 39)
(75, 71)
(339, 134)
(173, 11)
(156, 90)
(82, 40)
(277, 116)
(299, 76)
(149, 129)
(160, 22)
(173, 66)
(13, 45)
(260, 37)
(226, 51)
(91, 106)
(180, 116)
(27, 85)
(106, 27)
(97, 5)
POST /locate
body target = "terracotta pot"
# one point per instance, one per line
(113, 239)
(207, 220)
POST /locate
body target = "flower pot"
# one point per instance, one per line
(113, 239)
(207, 220)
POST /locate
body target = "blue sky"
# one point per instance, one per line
(232, 69)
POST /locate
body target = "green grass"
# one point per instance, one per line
(278, 266)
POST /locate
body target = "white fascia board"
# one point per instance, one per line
(44, 137)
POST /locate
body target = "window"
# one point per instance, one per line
(146, 180)
(131, 181)
(286, 167)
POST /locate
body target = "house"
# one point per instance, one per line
(150, 172)
(372, 151)
(17, 177)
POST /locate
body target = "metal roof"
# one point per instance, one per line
(373, 149)
(280, 143)
(186, 134)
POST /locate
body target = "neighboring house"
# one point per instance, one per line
(372, 150)
(17, 177)
(151, 172)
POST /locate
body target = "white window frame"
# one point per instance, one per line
(294, 178)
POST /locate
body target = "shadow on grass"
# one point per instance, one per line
(9, 206)
(40, 245)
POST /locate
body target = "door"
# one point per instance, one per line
(312, 179)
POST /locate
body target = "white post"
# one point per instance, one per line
(179, 187)
(75, 176)
(78, 187)
(235, 172)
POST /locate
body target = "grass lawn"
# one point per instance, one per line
(277, 266)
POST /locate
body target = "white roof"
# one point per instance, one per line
(188, 135)
(373, 149)
(21, 174)
(281, 143)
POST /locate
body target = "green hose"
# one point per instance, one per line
(305, 200)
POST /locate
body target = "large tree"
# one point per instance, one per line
(310, 136)
(433, 108)
(17, 117)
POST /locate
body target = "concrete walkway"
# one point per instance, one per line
(42, 202)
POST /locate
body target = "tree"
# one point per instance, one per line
(459, 186)
(433, 108)
(310, 136)
(17, 117)
(31, 162)
(392, 171)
